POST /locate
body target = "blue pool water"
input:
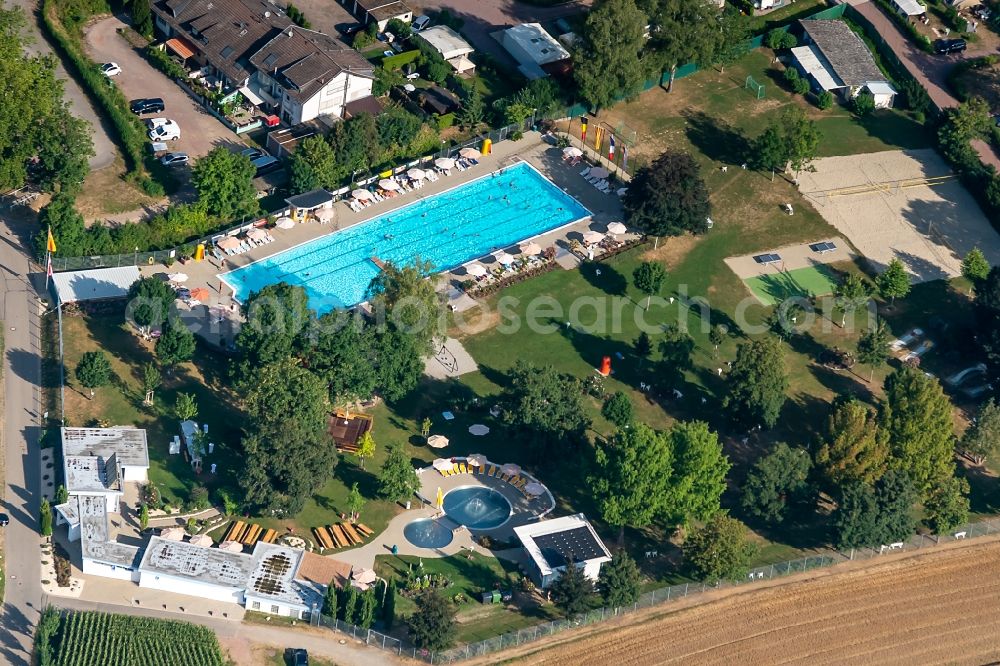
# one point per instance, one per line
(447, 229)
(477, 508)
(427, 533)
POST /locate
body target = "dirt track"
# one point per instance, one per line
(938, 607)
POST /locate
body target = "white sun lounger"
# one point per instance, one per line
(585, 172)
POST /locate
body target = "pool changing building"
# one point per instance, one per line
(551, 544)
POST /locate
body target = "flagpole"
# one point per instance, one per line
(48, 268)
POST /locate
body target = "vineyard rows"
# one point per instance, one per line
(99, 639)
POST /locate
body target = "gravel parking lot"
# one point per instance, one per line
(200, 131)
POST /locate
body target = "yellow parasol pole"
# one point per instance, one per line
(440, 499)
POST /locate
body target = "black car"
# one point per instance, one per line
(148, 105)
(944, 46)
(299, 657)
(4, 520)
(349, 29)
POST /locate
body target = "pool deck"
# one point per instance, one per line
(524, 511)
(218, 320)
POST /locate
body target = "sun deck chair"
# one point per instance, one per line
(585, 172)
(462, 469)
(491, 471)
(505, 478)
(514, 479)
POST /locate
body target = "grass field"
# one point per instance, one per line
(773, 288)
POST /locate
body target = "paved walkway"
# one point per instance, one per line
(451, 360)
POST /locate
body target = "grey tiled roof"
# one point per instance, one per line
(848, 56)
(307, 60)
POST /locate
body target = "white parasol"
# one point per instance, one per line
(437, 441)
(476, 270)
(178, 277)
(202, 541)
(284, 223)
(530, 249)
(231, 546)
(598, 172)
(257, 235)
(470, 153)
(592, 237)
(478, 429)
(172, 534)
(364, 576)
(443, 464)
(388, 184)
(416, 174)
(534, 489)
(511, 469)
(445, 163)
(361, 195)
(504, 258)
(572, 151)
(616, 228)
(324, 215)
(477, 459)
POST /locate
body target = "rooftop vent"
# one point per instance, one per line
(267, 14)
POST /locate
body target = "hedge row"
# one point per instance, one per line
(922, 41)
(400, 59)
(107, 96)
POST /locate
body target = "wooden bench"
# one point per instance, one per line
(339, 536)
(234, 531)
(364, 529)
(322, 537)
(355, 537)
(269, 536)
(250, 538)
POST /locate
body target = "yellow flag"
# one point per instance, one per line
(50, 245)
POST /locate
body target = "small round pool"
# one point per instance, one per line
(427, 533)
(477, 508)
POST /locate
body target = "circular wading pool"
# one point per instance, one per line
(477, 508)
(427, 533)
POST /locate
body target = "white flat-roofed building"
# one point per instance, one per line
(97, 461)
(93, 285)
(552, 544)
(535, 50)
(450, 45)
(273, 587)
(101, 554)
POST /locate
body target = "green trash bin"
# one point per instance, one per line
(496, 596)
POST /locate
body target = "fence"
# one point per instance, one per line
(653, 598)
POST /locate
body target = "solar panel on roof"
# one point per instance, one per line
(270, 60)
(228, 51)
(578, 544)
(825, 246)
(769, 258)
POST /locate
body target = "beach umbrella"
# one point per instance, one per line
(572, 151)
(592, 237)
(416, 174)
(202, 541)
(535, 489)
(530, 249)
(445, 163)
(361, 195)
(229, 243)
(324, 214)
(477, 459)
(598, 172)
(231, 546)
(504, 258)
(388, 184)
(257, 235)
(616, 228)
(476, 270)
(284, 223)
(437, 441)
(364, 576)
(178, 277)
(478, 429)
(200, 294)
(172, 534)
(443, 464)
(470, 153)
(511, 469)
(439, 502)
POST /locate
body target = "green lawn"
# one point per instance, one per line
(775, 287)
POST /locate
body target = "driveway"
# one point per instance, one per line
(200, 131)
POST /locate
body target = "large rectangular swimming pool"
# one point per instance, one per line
(447, 229)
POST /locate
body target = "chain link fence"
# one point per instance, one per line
(653, 598)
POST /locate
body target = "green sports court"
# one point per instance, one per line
(775, 286)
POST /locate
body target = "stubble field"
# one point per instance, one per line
(938, 607)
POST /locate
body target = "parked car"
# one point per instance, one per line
(265, 165)
(945, 46)
(147, 105)
(169, 131)
(174, 159)
(300, 657)
(421, 22)
(254, 153)
(4, 520)
(111, 69)
(982, 12)
(153, 123)
(349, 29)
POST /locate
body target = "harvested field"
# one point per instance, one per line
(942, 606)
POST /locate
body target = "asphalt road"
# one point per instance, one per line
(104, 149)
(21, 378)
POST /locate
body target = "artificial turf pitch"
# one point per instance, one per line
(776, 286)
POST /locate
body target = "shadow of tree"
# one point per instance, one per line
(716, 139)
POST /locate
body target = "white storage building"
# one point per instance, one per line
(551, 544)
(536, 51)
(450, 45)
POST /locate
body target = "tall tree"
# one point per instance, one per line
(64, 148)
(152, 377)
(544, 405)
(405, 296)
(224, 181)
(716, 336)
(45, 518)
(175, 345)
(975, 267)
(149, 302)
(572, 590)
(668, 197)
(94, 370)
(399, 361)
(733, 39)
(852, 293)
(344, 354)
(919, 427)
(681, 31)
(874, 347)
(775, 481)
(987, 309)
(982, 439)
(142, 18)
(313, 165)
(607, 62)
(867, 516)
(143, 518)
(277, 317)
(649, 277)
(619, 581)
(947, 505)
(854, 448)
(62, 495)
(355, 502)
(699, 473)
(893, 282)
(790, 141)
(758, 383)
(432, 624)
(719, 550)
(365, 614)
(633, 477)
(643, 345)
(397, 479)
(185, 407)
(473, 111)
(389, 605)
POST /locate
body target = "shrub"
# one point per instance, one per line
(800, 86)
(445, 121)
(778, 39)
(297, 17)
(437, 72)
(791, 75)
(824, 100)
(863, 104)
(160, 60)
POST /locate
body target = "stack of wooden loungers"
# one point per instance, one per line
(342, 535)
(249, 534)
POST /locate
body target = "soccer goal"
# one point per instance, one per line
(754, 87)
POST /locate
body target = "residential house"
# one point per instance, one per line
(835, 59)
(379, 11)
(252, 47)
(552, 544)
(538, 53)
(450, 45)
